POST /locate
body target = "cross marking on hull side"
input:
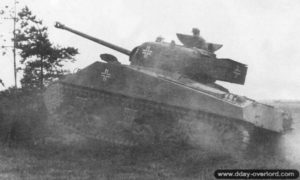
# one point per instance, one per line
(105, 75)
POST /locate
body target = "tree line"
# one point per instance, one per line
(22, 110)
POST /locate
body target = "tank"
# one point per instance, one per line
(167, 96)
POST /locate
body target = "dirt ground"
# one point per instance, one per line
(90, 160)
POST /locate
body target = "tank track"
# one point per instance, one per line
(207, 130)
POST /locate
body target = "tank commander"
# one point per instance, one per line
(159, 39)
(199, 41)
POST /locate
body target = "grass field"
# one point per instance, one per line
(89, 160)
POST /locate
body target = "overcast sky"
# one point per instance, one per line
(264, 34)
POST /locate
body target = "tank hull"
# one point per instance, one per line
(135, 106)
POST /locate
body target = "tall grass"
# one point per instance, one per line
(22, 116)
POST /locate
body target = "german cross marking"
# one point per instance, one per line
(105, 75)
(147, 52)
(237, 72)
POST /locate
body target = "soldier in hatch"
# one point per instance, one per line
(199, 42)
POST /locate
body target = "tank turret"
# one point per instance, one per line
(190, 60)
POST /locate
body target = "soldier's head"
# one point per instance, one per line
(196, 32)
(159, 39)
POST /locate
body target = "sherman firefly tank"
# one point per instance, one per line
(168, 95)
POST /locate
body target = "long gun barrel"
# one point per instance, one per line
(99, 41)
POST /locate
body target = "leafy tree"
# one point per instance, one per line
(43, 61)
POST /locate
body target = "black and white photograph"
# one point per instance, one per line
(149, 89)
